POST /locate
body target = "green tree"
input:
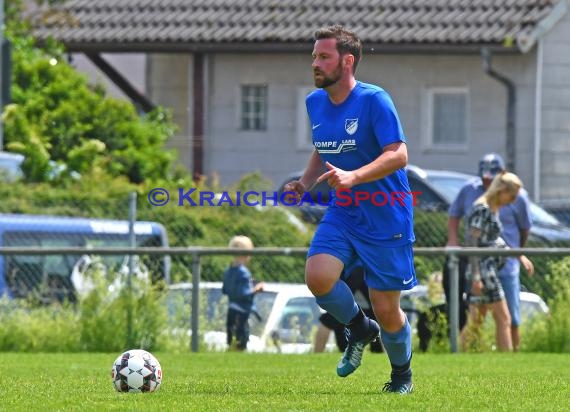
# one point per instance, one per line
(56, 115)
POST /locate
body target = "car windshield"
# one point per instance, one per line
(263, 303)
(449, 187)
(541, 216)
(299, 319)
(214, 307)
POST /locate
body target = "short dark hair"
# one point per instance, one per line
(346, 41)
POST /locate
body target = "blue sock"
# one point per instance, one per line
(339, 302)
(398, 346)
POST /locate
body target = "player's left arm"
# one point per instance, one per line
(394, 157)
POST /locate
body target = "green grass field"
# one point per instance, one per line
(264, 382)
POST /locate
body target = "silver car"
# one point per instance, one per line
(285, 319)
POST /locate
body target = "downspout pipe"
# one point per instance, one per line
(511, 108)
(538, 121)
(198, 107)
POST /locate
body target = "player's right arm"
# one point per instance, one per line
(454, 215)
(312, 172)
(452, 231)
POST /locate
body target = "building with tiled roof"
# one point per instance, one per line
(174, 25)
(235, 73)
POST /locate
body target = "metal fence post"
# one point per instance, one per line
(132, 244)
(453, 303)
(195, 340)
(3, 76)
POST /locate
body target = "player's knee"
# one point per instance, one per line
(319, 285)
(321, 273)
(386, 307)
(391, 319)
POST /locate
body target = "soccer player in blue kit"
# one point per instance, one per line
(358, 138)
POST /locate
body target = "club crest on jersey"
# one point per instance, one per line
(351, 126)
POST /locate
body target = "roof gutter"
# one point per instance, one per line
(538, 121)
(273, 47)
(511, 108)
(198, 98)
(526, 42)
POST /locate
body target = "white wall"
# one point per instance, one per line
(231, 152)
(555, 148)
(169, 84)
(408, 77)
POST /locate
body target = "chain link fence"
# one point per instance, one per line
(287, 317)
(107, 225)
(63, 218)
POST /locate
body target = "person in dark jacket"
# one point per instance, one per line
(239, 287)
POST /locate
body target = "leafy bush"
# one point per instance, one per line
(432, 320)
(430, 229)
(98, 323)
(29, 328)
(479, 340)
(437, 324)
(552, 333)
(55, 115)
(106, 313)
(539, 283)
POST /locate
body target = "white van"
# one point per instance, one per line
(10, 166)
(285, 321)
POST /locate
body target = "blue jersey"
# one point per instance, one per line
(350, 135)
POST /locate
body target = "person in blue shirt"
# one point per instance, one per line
(516, 222)
(360, 150)
(238, 286)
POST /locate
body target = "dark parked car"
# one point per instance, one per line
(438, 189)
(560, 209)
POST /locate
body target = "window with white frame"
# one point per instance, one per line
(448, 117)
(253, 115)
(304, 133)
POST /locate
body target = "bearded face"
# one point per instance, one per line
(327, 63)
(325, 79)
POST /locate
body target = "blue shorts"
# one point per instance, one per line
(512, 286)
(386, 268)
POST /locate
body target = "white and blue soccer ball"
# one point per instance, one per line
(136, 370)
